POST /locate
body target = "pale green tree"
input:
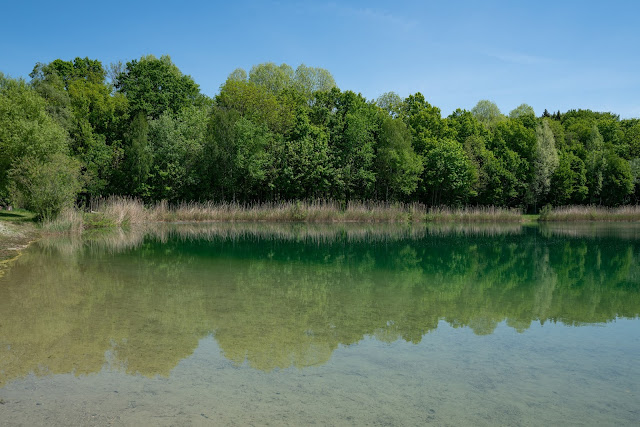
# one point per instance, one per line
(596, 164)
(275, 78)
(390, 102)
(312, 79)
(545, 162)
(521, 111)
(487, 113)
(238, 75)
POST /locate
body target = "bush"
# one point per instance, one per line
(45, 187)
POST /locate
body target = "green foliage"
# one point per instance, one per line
(424, 121)
(251, 101)
(153, 86)
(523, 110)
(513, 146)
(45, 186)
(449, 175)
(306, 170)
(79, 99)
(26, 130)
(569, 181)
(545, 162)
(134, 168)
(177, 144)
(631, 138)
(596, 163)
(618, 182)
(277, 78)
(309, 80)
(253, 160)
(398, 166)
(89, 70)
(487, 113)
(391, 103)
(464, 124)
(272, 77)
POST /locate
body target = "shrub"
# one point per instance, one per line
(45, 187)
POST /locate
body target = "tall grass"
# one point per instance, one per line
(121, 211)
(124, 211)
(69, 219)
(474, 214)
(592, 213)
(308, 211)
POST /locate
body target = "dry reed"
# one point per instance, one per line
(474, 214)
(592, 213)
(69, 219)
(123, 211)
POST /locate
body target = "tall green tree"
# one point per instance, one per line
(569, 181)
(352, 124)
(449, 174)
(306, 169)
(618, 182)
(134, 167)
(26, 130)
(513, 145)
(154, 85)
(177, 143)
(79, 98)
(398, 167)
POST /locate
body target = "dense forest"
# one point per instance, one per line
(79, 130)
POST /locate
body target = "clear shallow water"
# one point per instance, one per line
(263, 324)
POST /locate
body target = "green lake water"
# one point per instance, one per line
(263, 324)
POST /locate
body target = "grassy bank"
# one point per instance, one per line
(591, 213)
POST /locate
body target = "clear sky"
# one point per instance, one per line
(557, 55)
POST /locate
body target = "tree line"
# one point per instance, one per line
(79, 130)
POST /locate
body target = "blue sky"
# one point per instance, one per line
(557, 55)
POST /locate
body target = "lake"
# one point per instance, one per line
(256, 324)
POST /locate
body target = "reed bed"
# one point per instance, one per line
(121, 211)
(127, 211)
(592, 213)
(69, 219)
(124, 211)
(308, 211)
(474, 214)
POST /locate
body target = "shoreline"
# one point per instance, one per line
(14, 238)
